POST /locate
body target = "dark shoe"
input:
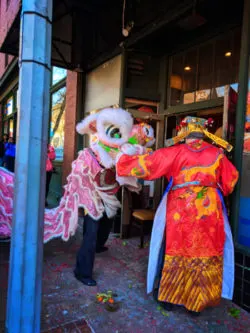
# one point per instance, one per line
(194, 313)
(167, 306)
(155, 294)
(87, 281)
(102, 249)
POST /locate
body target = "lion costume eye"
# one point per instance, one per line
(148, 131)
(113, 132)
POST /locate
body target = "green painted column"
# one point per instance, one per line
(241, 111)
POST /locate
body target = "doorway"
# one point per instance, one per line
(143, 112)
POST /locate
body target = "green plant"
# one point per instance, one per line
(106, 297)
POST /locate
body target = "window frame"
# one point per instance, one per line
(184, 107)
(53, 89)
(13, 115)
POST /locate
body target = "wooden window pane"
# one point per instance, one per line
(176, 80)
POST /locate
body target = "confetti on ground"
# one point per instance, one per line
(122, 269)
(234, 312)
(162, 311)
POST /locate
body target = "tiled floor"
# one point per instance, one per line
(68, 306)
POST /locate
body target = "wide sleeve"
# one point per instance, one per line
(227, 176)
(149, 166)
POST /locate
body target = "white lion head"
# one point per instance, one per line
(109, 130)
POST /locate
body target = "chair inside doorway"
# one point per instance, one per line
(141, 206)
(141, 212)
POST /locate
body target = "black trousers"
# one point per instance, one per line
(48, 179)
(10, 163)
(95, 235)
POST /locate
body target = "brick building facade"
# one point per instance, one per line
(5, 61)
(9, 10)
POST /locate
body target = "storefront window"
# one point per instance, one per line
(176, 79)
(205, 67)
(244, 220)
(58, 74)
(222, 62)
(9, 107)
(189, 76)
(57, 122)
(9, 114)
(11, 128)
(6, 127)
(203, 72)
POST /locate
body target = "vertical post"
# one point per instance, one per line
(125, 209)
(71, 113)
(241, 110)
(164, 87)
(81, 79)
(26, 257)
(225, 113)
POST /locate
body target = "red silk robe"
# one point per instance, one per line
(192, 273)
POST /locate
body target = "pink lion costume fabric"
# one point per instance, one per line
(92, 183)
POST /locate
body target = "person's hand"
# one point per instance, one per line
(129, 149)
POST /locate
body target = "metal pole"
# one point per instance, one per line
(225, 113)
(241, 111)
(26, 257)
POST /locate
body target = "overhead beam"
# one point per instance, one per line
(160, 22)
(81, 5)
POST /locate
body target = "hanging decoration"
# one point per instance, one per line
(126, 28)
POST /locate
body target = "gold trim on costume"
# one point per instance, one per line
(220, 142)
(194, 126)
(195, 283)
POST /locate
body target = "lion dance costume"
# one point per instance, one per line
(191, 219)
(92, 182)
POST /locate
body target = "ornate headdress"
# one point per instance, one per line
(197, 126)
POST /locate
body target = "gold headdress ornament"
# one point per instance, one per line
(197, 125)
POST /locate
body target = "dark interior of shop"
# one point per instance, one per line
(86, 33)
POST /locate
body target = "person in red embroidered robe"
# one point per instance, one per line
(193, 216)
